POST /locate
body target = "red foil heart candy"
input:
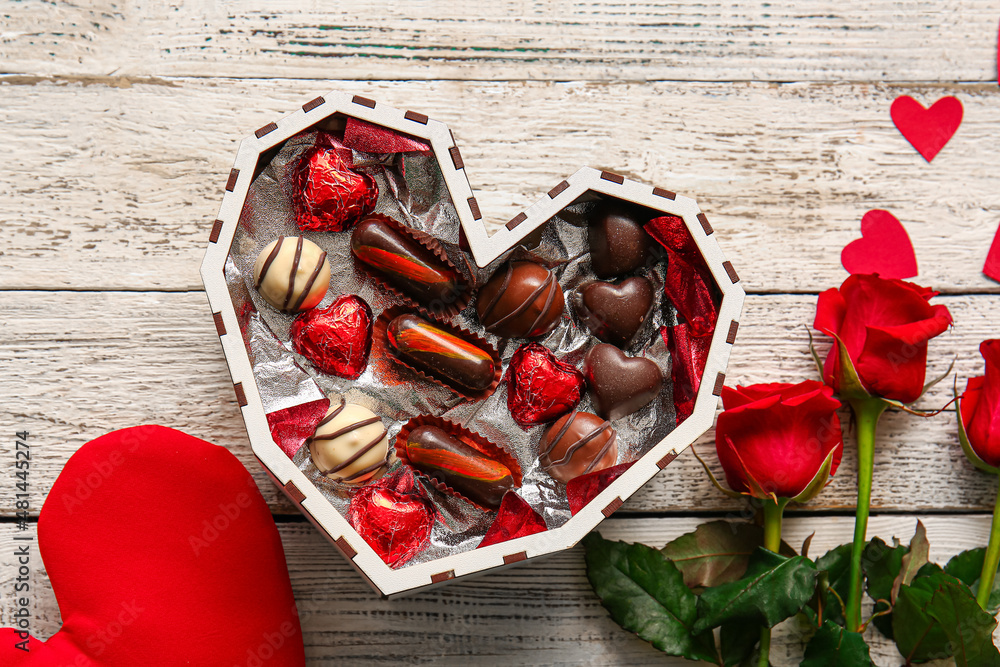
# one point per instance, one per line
(396, 525)
(540, 387)
(328, 195)
(336, 339)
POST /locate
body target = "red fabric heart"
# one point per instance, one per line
(992, 266)
(393, 517)
(884, 248)
(160, 551)
(927, 129)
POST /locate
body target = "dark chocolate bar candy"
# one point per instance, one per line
(440, 353)
(407, 265)
(438, 454)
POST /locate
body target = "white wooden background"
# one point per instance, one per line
(119, 121)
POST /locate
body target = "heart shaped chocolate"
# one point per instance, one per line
(614, 313)
(620, 385)
(395, 524)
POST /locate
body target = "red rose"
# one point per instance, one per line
(884, 325)
(781, 439)
(979, 408)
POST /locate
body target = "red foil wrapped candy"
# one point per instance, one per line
(328, 195)
(541, 388)
(396, 525)
(336, 339)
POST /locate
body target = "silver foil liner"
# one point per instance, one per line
(412, 190)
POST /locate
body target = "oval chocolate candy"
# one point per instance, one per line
(406, 265)
(443, 457)
(440, 353)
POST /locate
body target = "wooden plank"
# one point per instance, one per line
(618, 40)
(76, 365)
(135, 177)
(491, 617)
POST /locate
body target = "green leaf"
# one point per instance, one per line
(966, 624)
(815, 354)
(774, 588)
(833, 646)
(914, 559)
(967, 568)
(818, 482)
(836, 564)
(645, 593)
(851, 386)
(738, 641)
(919, 636)
(715, 553)
(881, 565)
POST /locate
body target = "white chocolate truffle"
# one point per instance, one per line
(292, 274)
(350, 445)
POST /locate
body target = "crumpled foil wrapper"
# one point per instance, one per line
(412, 190)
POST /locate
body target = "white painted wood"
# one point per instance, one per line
(491, 618)
(117, 188)
(784, 40)
(78, 365)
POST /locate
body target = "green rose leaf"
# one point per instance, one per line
(645, 593)
(919, 635)
(738, 641)
(836, 563)
(833, 646)
(967, 625)
(774, 588)
(881, 565)
(715, 553)
(967, 566)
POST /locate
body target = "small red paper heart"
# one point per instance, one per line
(927, 129)
(396, 525)
(514, 519)
(884, 248)
(992, 266)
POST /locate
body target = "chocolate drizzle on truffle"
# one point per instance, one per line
(507, 301)
(577, 444)
(361, 450)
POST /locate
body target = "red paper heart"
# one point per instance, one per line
(992, 266)
(161, 551)
(515, 518)
(927, 129)
(884, 248)
(396, 525)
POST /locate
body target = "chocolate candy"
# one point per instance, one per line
(577, 444)
(440, 353)
(406, 265)
(615, 313)
(350, 444)
(443, 457)
(521, 300)
(618, 244)
(540, 387)
(620, 385)
(329, 196)
(336, 339)
(292, 274)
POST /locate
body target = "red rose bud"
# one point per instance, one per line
(883, 327)
(979, 412)
(329, 196)
(779, 440)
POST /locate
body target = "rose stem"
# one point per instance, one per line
(866, 412)
(772, 542)
(991, 560)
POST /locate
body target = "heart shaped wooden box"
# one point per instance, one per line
(258, 147)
